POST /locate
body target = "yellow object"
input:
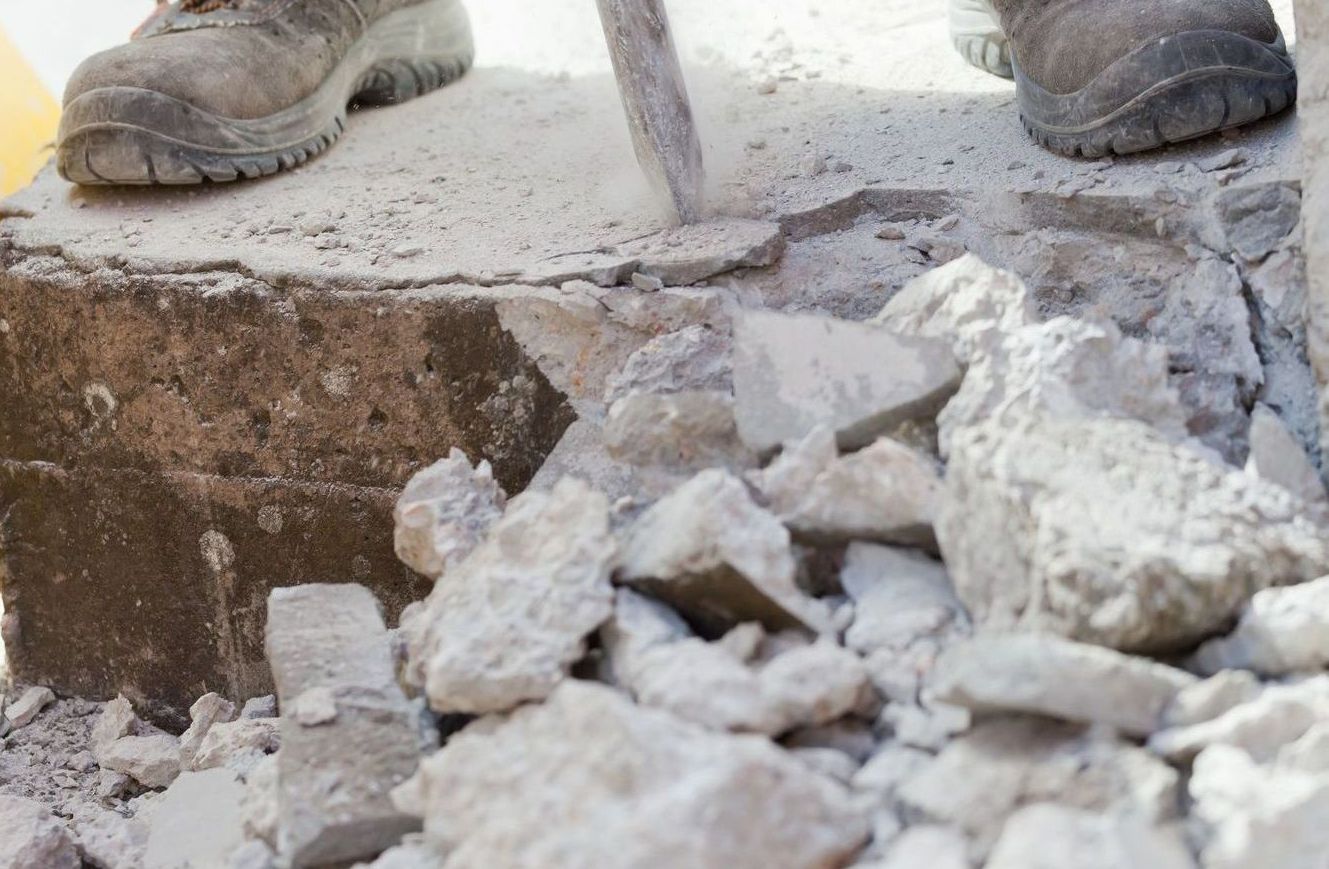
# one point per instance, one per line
(29, 116)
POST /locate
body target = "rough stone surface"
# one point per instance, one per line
(107, 839)
(238, 745)
(1276, 717)
(22, 712)
(116, 719)
(1032, 542)
(1279, 457)
(795, 372)
(152, 761)
(333, 780)
(1047, 836)
(1281, 631)
(1046, 675)
(1313, 109)
(1258, 815)
(885, 492)
(982, 777)
(588, 779)
(694, 359)
(31, 838)
(709, 550)
(197, 821)
(1210, 698)
(444, 512)
(511, 620)
(683, 431)
(208, 710)
(931, 845)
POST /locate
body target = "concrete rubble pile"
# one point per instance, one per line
(951, 587)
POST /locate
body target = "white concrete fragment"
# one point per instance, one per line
(893, 764)
(982, 777)
(117, 719)
(260, 707)
(1279, 715)
(107, 839)
(1047, 836)
(709, 551)
(692, 359)
(684, 431)
(1210, 698)
(1281, 631)
(32, 838)
(508, 623)
(28, 706)
(444, 512)
(1277, 456)
(793, 372)
(1309, 753)
(197, 822)
(316, 706)
(1102, 531)
(589, 779)
(1255, 815)
(885, 492)
(334, 779)
(927, 845)
(238, 745)
(153, 761)
(260, 810)
(1047, 675)
(208, 710)
(925, 724)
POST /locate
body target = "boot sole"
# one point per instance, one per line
(976, 33)
(1171, 90)
(136, 136)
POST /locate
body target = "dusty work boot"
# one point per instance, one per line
(1097, 77)
(214, 90)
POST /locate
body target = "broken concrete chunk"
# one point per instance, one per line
(315, 706)
(793, 372)
(934, 846)
(900, 596)
(208, 710)
(885, 492)
(966, 303)
(21, 712)
(1281, 631)
(334, 779)
(589, 779)
(982, 777)
(238, 745)
(1047, 675)
(260, 809)
(196, 822)
(1277, 456)
(1309, 753)
(815, 684)
(709, 551)
(260, 707)
(693, 359)
(1067, 368)
(1258, 815)
(687, 254)
(1210, 698)
(1102, 531)
(508, 623)
(117, 719)
(107, 839)
(253, 855)
(926, 724)
(152, 761)
(683, 431)
(1278, 716)
(444, 512)
(32, 838)
(1048, 836)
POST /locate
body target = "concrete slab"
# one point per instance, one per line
(456, 273)
(1313, 66)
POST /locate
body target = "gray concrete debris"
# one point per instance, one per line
(1281, 631)
(1210, 698)
(1049, 836)
(793, 372)
(32, 838)
(681, 431)
(197, 822)
(709, 551)
(1066, 368)
(1258, 815)
(153, 761)
(108, 840)
(1047, 675)
(886, 492)
(21, 712)
(999, 766)
(1278, 716)
(1279, 457)
(692, 359)
(1258, 217)
(238, 745)
(512, 619)
(654, 656)
(334, 780)
(260, 707)
(117, 719)
(208, 710)
(589, 779)
(261, 806)
(1033, 543)
(444, 512)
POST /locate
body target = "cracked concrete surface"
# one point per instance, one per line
(460, 271)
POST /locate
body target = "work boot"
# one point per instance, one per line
(215, 90)
(976, 33)
(1097, 77)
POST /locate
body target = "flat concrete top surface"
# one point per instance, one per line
(523, 169)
